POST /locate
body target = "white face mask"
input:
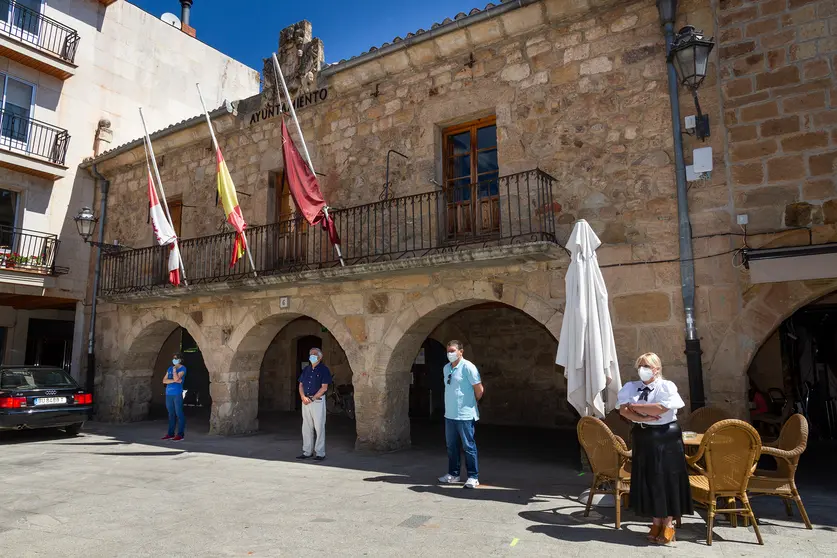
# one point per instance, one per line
(645, 374)
(175, 361)
(453, 357)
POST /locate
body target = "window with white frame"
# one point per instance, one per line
(18, 104)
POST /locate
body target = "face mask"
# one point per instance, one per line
(313, 359)
(453, 357)
(175, 361)
(645, 374)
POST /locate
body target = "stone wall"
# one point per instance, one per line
(516, 359)
(578, 90)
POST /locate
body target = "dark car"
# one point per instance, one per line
(42, 397)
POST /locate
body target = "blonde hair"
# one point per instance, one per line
(652, 360)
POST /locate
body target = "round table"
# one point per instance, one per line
(692, 440)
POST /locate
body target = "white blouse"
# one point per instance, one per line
(663, 392)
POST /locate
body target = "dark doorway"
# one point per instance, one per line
(303, 349)
(198, 401)
(427, 390)
(49, 343)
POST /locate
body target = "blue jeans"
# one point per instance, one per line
(174, 405)
(458, 434)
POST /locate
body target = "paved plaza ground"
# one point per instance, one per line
(118, 490)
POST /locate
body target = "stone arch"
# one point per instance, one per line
(239, 392)
(766, 307)
(389, 428)
(125, 390)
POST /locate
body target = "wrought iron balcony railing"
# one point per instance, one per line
(29, 251)
(507, 210)
(37, 30)
(31, 137)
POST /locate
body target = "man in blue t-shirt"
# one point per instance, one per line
(174, 398)
(463, 388)
(313, 384)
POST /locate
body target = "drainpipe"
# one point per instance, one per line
(668, 11)
(104, 186)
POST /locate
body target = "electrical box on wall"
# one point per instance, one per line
(702, 159)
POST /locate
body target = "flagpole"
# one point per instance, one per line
(150, 151)
(215, 145)
(278, 72)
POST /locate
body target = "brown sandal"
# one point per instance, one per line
(654, 532)
(666, 536)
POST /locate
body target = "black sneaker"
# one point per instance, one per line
(303, 456)
(319, 458)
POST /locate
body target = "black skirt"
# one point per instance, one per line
(659, 477)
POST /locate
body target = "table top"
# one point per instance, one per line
(693, 440)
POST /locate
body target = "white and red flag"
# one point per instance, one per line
(163, 231)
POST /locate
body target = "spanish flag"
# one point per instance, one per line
(229, 199)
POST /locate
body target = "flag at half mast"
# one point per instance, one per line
(229, 199)
(163, 232)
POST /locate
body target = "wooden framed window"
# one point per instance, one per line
(471, 173)
(176, 212)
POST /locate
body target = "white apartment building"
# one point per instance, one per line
(73, 74)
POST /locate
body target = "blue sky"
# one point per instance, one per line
(248, 30)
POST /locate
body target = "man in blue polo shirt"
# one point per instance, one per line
(463, 388)
(313, 384)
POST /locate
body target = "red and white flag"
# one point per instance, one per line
(164, 232)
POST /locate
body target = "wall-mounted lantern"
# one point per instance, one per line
(689, 54)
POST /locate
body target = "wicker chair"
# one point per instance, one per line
(703, 418)
(619, 426)
(608, 456)
(730, 450)
(793, 439)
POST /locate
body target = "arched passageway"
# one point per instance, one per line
(795, 370)
(285, 357)
(514, 347)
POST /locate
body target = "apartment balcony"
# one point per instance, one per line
(507, 220)
(27, 258)
(31, 146)
(36, 40)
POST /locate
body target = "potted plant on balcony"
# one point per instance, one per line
(15, 260)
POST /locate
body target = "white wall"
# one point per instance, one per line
(126, 59)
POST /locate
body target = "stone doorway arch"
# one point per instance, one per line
(250, 340)
(766, 307)
(124, 389)
(388, 427)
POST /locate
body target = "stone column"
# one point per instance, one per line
(235, 403)
(382, 405)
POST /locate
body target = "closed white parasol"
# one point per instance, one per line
(586, 348)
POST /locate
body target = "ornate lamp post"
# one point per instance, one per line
(689, 54)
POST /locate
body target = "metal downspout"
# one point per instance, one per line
(104, 186)
(687, 264)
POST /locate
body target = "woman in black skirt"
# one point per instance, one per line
(659, 478)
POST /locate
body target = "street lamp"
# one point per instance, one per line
(86, 222)
(689, 54)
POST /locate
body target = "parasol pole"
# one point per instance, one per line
(281, 78)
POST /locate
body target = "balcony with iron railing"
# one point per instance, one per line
(499, 218)
(32, 146)
(38, 41)
(27, 252)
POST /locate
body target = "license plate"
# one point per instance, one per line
(50, 400)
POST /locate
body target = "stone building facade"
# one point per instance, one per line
(576, 93)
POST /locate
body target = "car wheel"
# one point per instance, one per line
(73, 429)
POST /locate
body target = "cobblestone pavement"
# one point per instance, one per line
(117, 490)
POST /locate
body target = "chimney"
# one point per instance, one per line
(185, 12)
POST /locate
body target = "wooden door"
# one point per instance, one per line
(471, 180)
(291, 229)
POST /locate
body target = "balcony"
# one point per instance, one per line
(507, 219)
(36, 40)
(27, 257)
(31, 146)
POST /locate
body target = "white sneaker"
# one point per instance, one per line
(471, 483)
(449, 479)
